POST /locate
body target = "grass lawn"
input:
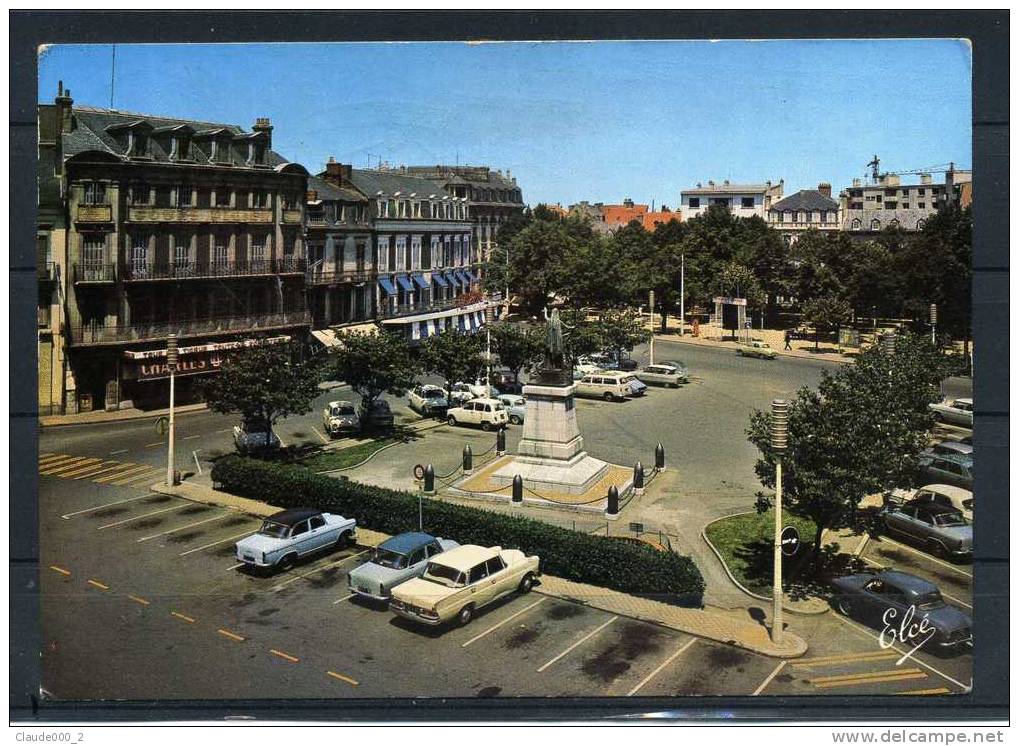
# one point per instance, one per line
(344, 457)
(745, 543)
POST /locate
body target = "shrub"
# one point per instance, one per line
(597, 560)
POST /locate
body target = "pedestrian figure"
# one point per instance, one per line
(788, 336)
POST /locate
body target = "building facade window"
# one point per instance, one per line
(221, 250)
(382, 246)
(260, 199)
(401, 253)
(139, 255)
(223, 197)
(875, 224)
(95, 193)
(695, 203)
(93, 249)
(415, 252)
(137, 144)
(183, 194)
(140, 194)
(435, 255)
(857, 224)
(747, 203)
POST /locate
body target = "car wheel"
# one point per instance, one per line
(675, 385)
(936, 548)
(486, 426)
(516, 420)
(287, 562)
(526, 583)
(465, 616)
(344, 540)
(607, 396)
(739, 353)
(845, 606)
(938, 418)
(451, 420)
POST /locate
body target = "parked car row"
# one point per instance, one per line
(425, 579)
(954, 412)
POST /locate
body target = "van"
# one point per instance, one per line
(609, 385)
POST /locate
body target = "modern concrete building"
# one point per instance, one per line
(871, 207)
(150, 225)
(742, 200)
(805, 210)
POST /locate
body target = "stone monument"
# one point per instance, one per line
(551, 455)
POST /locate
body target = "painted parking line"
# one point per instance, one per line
(872, 677)
(183, 617)
(835, 660)
(190, 437)
(97, 584)
(94, 508)
(922, 692)
(578, 643)
(871, 635)
(117, 453)
(662, 667)
(321, 435)
(145, 515)
(128, 469)
(138, 600)
(926, 556)
(181, 528)
(61, 570)
(214, 543)
(341, 677)
(155, 445)
(320, 568)
(284, 656)
(232, 635)
(234, 567)
(510, 618)
(345, 598)
(770, 678)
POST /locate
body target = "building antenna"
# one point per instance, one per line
(113, 73)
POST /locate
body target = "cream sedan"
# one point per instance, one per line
(458, 582)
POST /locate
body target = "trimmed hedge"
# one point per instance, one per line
(597, 560)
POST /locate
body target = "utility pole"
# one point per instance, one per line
(171, 363)
(779, 442)
(682, 291)
(651, 314)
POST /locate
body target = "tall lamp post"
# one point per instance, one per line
(682, 291)
(779, 443)
(651, 315)
(934, 324)
(171, 363)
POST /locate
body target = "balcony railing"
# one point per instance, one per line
(149, 214)
(94, 272)
(96, 334)
(387, 311)
(94, 214)
(46, 271)
(321, 276)
(139, 271)
(291, 216)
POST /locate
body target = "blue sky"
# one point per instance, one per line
(598, 121)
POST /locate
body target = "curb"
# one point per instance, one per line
(100, 420)
(833, 358)
(790, 609)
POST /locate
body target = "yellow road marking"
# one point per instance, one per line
(61, 461)
(939, 690)
(847, 658)
(97, 584)
(128, 469)
(187, 619)
(50, 469)
(114, 471)
(52, 460)
(341, 677)
(876, 680)
(284, 656)
(138, 600)
(91, 470)
(66, 470)
(149, 473)
(231, 635)
(61, 570)
(872, 677)
(112, 466)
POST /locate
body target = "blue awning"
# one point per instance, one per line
(461, 322)
(387, 285)
(420, 281)
(471, 275)
(464, 280)
(405, 283)
(454, 281)
(439, 280)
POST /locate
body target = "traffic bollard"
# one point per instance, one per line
(518, 490)
(500, 442)
(660, 457)
(638, 478)
(612, 509)
(468, 459)
(429, 480)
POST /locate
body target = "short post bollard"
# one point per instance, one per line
(518, 490)
(429, 480)
(660, 457)
(612, 509)
(638, 478)
(468, 460)
(500, 442)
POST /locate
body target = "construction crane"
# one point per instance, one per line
(877, 175)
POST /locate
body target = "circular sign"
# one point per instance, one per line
(162, 425)
(790, 541)
(419, 472)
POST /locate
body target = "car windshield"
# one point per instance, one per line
(432, 394)
(968, 504)
(443, 575)
(626, 379)
(930, 600)
(517, 402)
(275, 530)
(498, 407)
(949, 519)
(255, 428)
(342, 410)
(388, 558)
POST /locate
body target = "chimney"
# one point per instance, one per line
(856, 182)
(926, 179)
(311, 195)
(627, 202)
(263, 124)
(710, 183)
(64, 103)
(824, 188)
(338, 173)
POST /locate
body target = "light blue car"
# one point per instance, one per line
(515, 407)
(396, 561)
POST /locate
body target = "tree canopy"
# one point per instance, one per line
(375, 364)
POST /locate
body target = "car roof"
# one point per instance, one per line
(407, 542)
(466, 556)
(949, 490)
(483, 400)
(965, 400)
(934, 508)
(909, 583)
(293, 515)
(339, 403)
(430, 386)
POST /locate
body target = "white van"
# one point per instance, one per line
(609, 385)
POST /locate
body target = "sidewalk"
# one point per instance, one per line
(724, 627)
(118, 415)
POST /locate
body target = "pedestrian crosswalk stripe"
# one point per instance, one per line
(54, 457)
(121, 479)
(872, 677)
(108, 467)
(831, 660)
(138, 479)
(53, 461)
(66, 465)
(130, 469)
(91, 468)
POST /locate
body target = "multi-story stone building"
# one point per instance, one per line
(341, 265)
(887, 202)
(159, 226)
(426, 261)
(742, 200)
(805, 210)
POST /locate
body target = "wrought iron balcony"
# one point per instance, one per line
(388, 311)
(47, 271)
(143, 271)
(320, 276)
(99, 334)
(94, 273)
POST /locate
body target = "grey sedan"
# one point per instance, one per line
(662, 375)
(896, 600)
(395, 561)
(955, 470)
(941, 530)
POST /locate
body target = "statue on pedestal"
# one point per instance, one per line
(553, 369)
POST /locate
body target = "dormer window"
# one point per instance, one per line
(180, 147)
(256, 152)
(137, 143)
(219, 151)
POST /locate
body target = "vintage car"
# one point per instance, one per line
(954, 412)
(515, 407)
(459, 393)
(953, 448)
(458, 583)
(755, 348)
(662, 375)
(291, 534)
(897, 600)
(380, 417)
(340, 417)
(585, 366)
(945, 495)
(610, 385)
(955, 469)
(428, 400)
(254, 437)
(395, 561)
(941, 530)
(489, 413)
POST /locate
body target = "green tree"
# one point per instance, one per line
(535, 255)
(454, 356)
(581, 336)
(375, 364)
(621, 331)
(826, 314)
(264, 383)
(517, 346)
(589, 275)
(859, 433)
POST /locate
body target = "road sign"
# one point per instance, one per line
(162, 425)
(637, 528)
(419, 472)
(790, 541)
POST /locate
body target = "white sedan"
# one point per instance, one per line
(955, 412)
(489, 413)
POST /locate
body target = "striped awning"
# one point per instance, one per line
(420, 281)
(439, 280)
(405, 283)
(387, 285)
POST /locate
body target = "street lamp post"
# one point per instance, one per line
(934, 324)
(682, 291)
(171, 363)
(779, 443)
(651, 315)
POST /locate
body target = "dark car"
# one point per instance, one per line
(956, 470)
(943, 531)
(884, 600)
